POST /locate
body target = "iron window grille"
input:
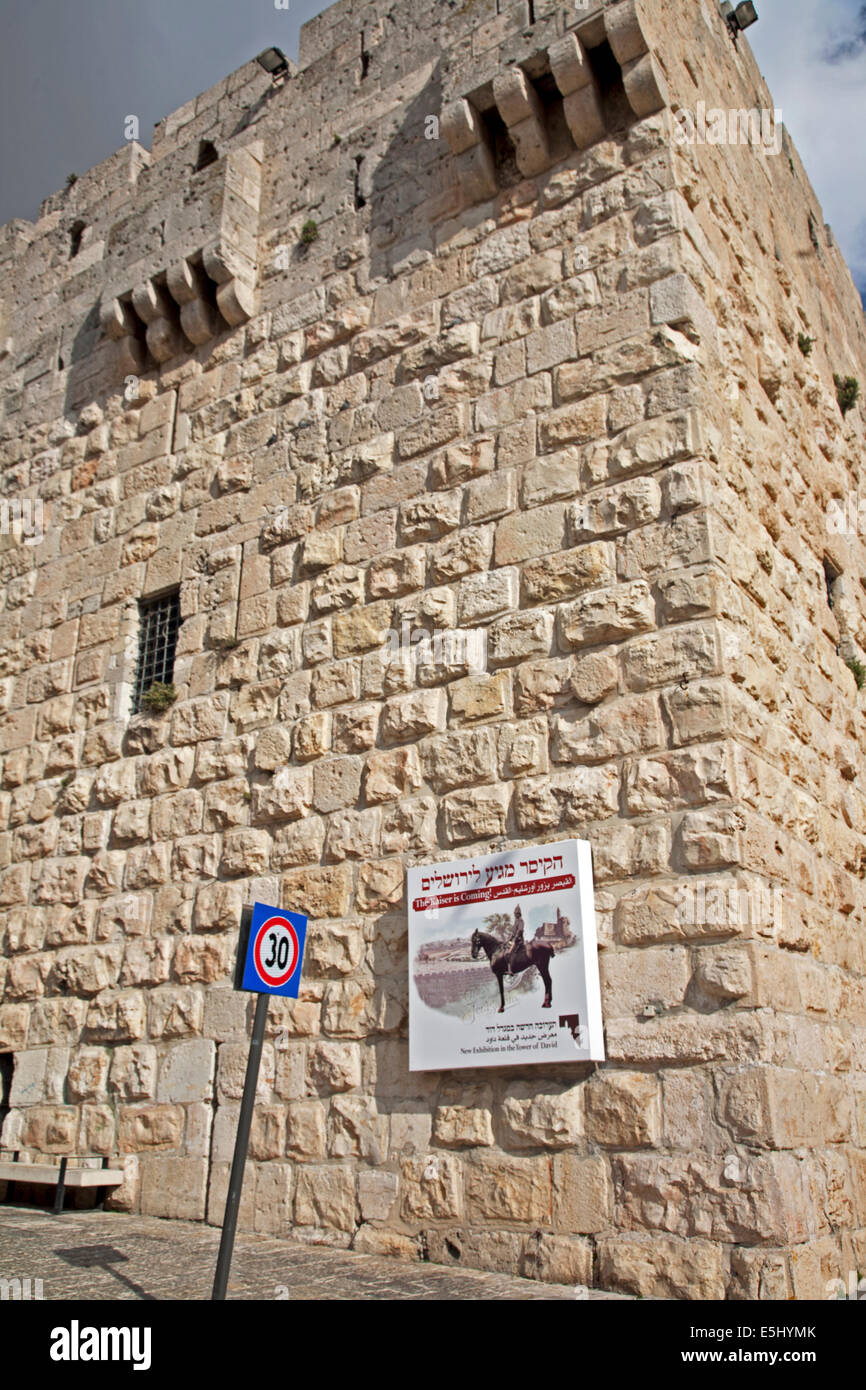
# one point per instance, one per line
(159, 620)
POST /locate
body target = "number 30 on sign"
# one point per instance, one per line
(275, 950)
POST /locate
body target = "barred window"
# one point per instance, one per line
(159, 620)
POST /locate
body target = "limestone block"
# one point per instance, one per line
(499, 1188)
(380, 885)
(631, 725)
(661, 1267)
(202, 959)
(408, 717)
(593, 676)
(346, 1009)
(430, 1187)
(391, 774)
(231, 1070)
(723, 973)
(117, 1018)
(353, 835)
(660, 984)
(521, 110)
(520, 635)
(273, 1189)
(154, 1127)
(133, 1072)
(476, 173)
(87, 970)
(623, 1110)
(318, 892)
(333, 1066)
(784, 1108)
(463, 1117)
(50, 1021)
(325, 1196)
(117, 319)
(50, 1129)
(186, 1072)
(217, 907)
(336, 783)
(557, 1259)
(246, 853)
(607, 614)
(582, 1194)
(174, 1187)
(682, 653)
(551, 1119)
(477, 814)
(13, 1026)
(377, 1193)
(298, 843)
(146, 962)
(399, 573)
(409, 825)
(338, 948)
(288, 796)
(693, 777)
(480, 697)
(39, 1075)
(356, 1129)
(455, 759)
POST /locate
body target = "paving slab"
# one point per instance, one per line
(107, 1255)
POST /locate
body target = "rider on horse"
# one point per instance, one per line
(516, 946)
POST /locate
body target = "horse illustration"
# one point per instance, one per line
(505, 961)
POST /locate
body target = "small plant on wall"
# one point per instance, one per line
(158, 697)
(805, 344)
(309, 232)
(858, 671)
(847, 392)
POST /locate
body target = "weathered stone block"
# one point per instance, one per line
(623, 1110)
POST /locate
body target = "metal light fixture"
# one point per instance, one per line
(746, 14)
(274, 61)
(739, 18)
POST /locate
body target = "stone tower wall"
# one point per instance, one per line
(532, 368)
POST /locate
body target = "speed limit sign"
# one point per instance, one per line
(275, 949)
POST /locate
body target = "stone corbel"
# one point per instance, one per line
(644, 83)
(187, 287)
(120, 324)
(581, 99)
(154, 308)
(521, 111)
(235, 294)
(464, 133)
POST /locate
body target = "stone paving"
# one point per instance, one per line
(107, 1255)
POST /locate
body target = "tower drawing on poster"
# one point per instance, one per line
(503, 960)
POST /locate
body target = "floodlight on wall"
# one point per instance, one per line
(274, 61)
(738, 17)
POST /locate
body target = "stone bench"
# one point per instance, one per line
(59, 1175)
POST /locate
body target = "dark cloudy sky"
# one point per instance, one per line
(72, 70)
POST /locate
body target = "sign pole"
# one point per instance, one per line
(233, 1200)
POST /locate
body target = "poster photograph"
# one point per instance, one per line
(503, 960)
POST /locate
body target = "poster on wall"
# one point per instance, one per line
(503, 960)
